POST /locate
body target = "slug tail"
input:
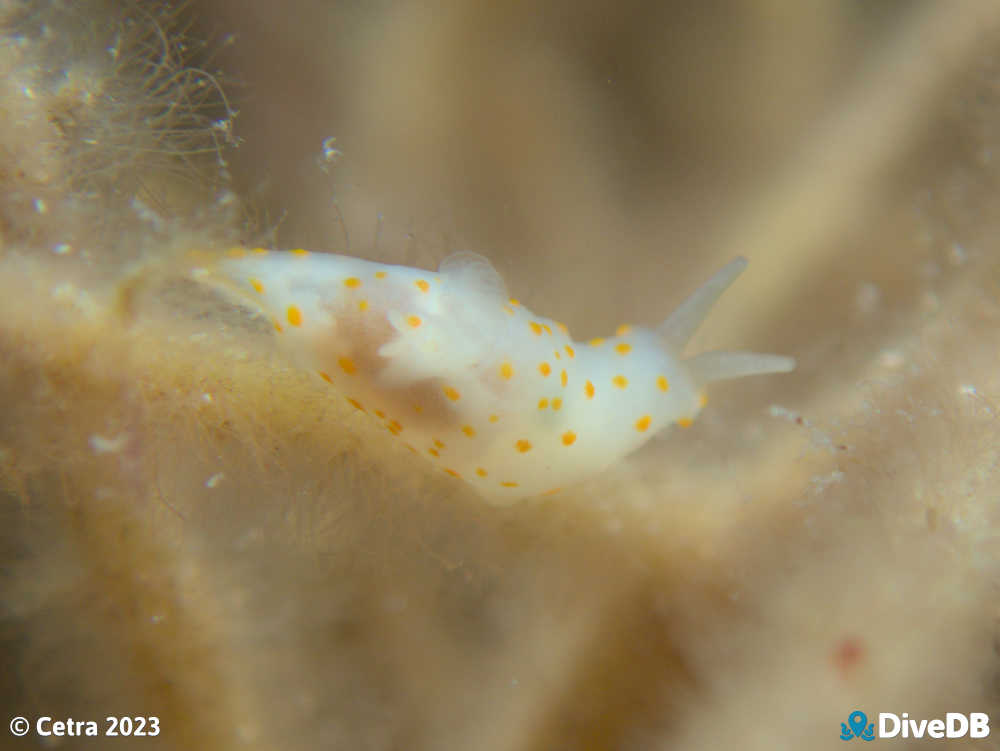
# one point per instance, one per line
(722, 366)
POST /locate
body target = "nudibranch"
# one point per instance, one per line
(474, 381)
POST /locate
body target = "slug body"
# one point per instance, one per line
(475, 382)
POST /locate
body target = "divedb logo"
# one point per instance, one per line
(954, 725)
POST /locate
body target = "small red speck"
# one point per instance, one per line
(848, 654)
(799, 420)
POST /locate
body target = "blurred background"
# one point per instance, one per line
(190, 529)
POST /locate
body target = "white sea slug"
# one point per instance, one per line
(474, 381)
